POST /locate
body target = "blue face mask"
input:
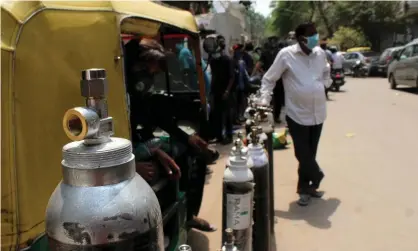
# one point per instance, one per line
(312, 41)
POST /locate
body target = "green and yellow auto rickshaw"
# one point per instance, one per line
(44, 47)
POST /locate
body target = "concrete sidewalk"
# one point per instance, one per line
(368, 151)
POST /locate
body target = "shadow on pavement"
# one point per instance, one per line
(316, 214)
(198, 241)
(412, 90)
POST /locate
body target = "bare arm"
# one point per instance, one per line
(257, 68)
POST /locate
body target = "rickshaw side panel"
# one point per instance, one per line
(57, 41)
(8, 187)
(9, 212)
(53, 49)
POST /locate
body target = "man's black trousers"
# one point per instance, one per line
(305, 141)
(222, 116)
(278, 96)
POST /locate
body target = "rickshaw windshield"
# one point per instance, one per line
(181, 63)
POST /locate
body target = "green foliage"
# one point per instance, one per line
(257, 22)
(373, 18)
(346, 38)
(288, 14)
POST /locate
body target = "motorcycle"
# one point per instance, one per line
(337, 77)
(359, 69)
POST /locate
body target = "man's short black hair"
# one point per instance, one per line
(301, 29)
(249, 46)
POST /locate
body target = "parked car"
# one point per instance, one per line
(368, 58)
(386, 58)
(404, 68)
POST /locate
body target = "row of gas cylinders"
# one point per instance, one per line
(246, 198)
(103, 204)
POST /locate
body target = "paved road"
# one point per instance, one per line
(369, 152)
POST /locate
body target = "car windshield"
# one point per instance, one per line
(386, 53)
(395, 52)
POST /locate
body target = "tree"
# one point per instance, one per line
(257, 23)
(375, 19)
(288, 14)
(346, 38)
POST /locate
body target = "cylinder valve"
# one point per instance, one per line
(92, 122)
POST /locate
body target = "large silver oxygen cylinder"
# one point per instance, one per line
(237, 200)
(101, 202)
(261, 216)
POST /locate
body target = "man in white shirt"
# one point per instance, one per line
(337, 58)
(304, 70)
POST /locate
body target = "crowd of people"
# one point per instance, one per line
(231, 81)
(293, 74)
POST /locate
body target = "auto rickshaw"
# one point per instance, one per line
(44, 47)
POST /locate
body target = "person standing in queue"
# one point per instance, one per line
(222, 84)
(248, 57)
(241, 83)
(267, 57)
(145, 58)
(304, 70)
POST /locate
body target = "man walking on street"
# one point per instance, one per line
(304, 70)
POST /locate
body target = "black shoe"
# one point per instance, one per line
(304, 200)
(316, 194)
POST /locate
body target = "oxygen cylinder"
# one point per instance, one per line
(237, 201)
(266, 121)
(101, 202)
(238, 147)
(229, 244)
(261, 216)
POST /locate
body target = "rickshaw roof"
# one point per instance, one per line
(22, 11)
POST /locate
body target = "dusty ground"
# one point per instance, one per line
(369, 152)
